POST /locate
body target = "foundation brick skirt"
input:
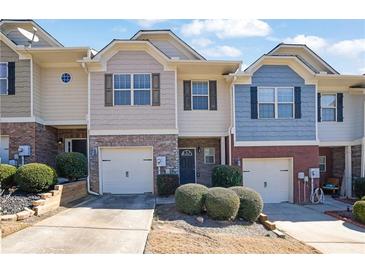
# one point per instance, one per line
(304, 157)
(163, 145)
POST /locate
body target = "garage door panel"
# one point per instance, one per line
(269, 177)
(127, 171)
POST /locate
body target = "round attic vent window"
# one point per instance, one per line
(66, 77)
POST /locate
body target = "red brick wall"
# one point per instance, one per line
(304, 157)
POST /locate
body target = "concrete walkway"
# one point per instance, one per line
(109, 224)
(310, 225)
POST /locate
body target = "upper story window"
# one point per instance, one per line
(276, 102)
(132, 89)
(66, 77)
(328, 107)
(3, 78)
(200, 95)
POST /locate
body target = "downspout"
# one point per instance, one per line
(89, 191)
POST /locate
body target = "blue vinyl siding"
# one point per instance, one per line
(248, 129)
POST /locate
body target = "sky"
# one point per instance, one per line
(341, 43)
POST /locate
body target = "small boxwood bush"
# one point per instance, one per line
(35, 177)
(7, 173)
(359, 187)
(222, 203)
(189, 198)
(251, 203)
(359, 211)
(71, 165)
(167, 184)
(226, 176)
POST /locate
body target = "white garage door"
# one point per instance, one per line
(270, 177)
(127, 170)
(4, 149)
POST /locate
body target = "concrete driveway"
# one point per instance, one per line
(310, 225)
(108, 224)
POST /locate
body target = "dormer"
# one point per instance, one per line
(169, 43)
(306, 55)
(21, 33)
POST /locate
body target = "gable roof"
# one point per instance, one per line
(306, 48)
(173, 35)
(48, 36)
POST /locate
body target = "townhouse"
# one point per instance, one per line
(152, 105)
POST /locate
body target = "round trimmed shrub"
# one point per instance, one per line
(363, 198)
(189, 198)
(7, 173)
(222, 203)
(359, 187)
(226, 176)
(359, 211)
(167, 184)
(251, 203)
(35, 177)
(71, 165)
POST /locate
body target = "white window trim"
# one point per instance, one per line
(276, 103)
(335, 107)
(205, 162)
(192, 96)
(6, 78)
(132, 88)
(325, 163)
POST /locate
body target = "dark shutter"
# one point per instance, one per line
(187, 95)
(11, 78)
(108, 90)
(298, 102)
(155, 89)
(254, 114)
(213, 95)
(319, 107)
(339, 107)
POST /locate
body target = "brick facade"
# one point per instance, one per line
(326, 151)
(356, 161)
(163, 145)
(203, 171)
(338, 164)
(304, 157)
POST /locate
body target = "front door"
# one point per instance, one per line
(187, 166)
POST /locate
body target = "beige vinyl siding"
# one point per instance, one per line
(37, 89)
(17, 105)
(133, 117)
(204, 122)
(60, 101)
(351, 128)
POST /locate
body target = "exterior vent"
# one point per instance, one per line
(323, 72)
(175, 58)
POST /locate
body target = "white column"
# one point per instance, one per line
(223, 150)
(348, 172)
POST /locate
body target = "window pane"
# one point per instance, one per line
(322, 159)
(200, 88)
(3, 70)
(328, 114)
(141, 81)
(328, 100)
(285, 95)
(209, 155)
(3, 86)
(266, 95)
(285, 110)
(266, 111)
(200, 102)
(142, 97)
(122, 97)
(122, 81)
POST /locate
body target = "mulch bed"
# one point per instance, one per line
(174, 232)
(16, 202)
(345, 216)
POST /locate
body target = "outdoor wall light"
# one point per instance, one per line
(199, 149)
(60, 141)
